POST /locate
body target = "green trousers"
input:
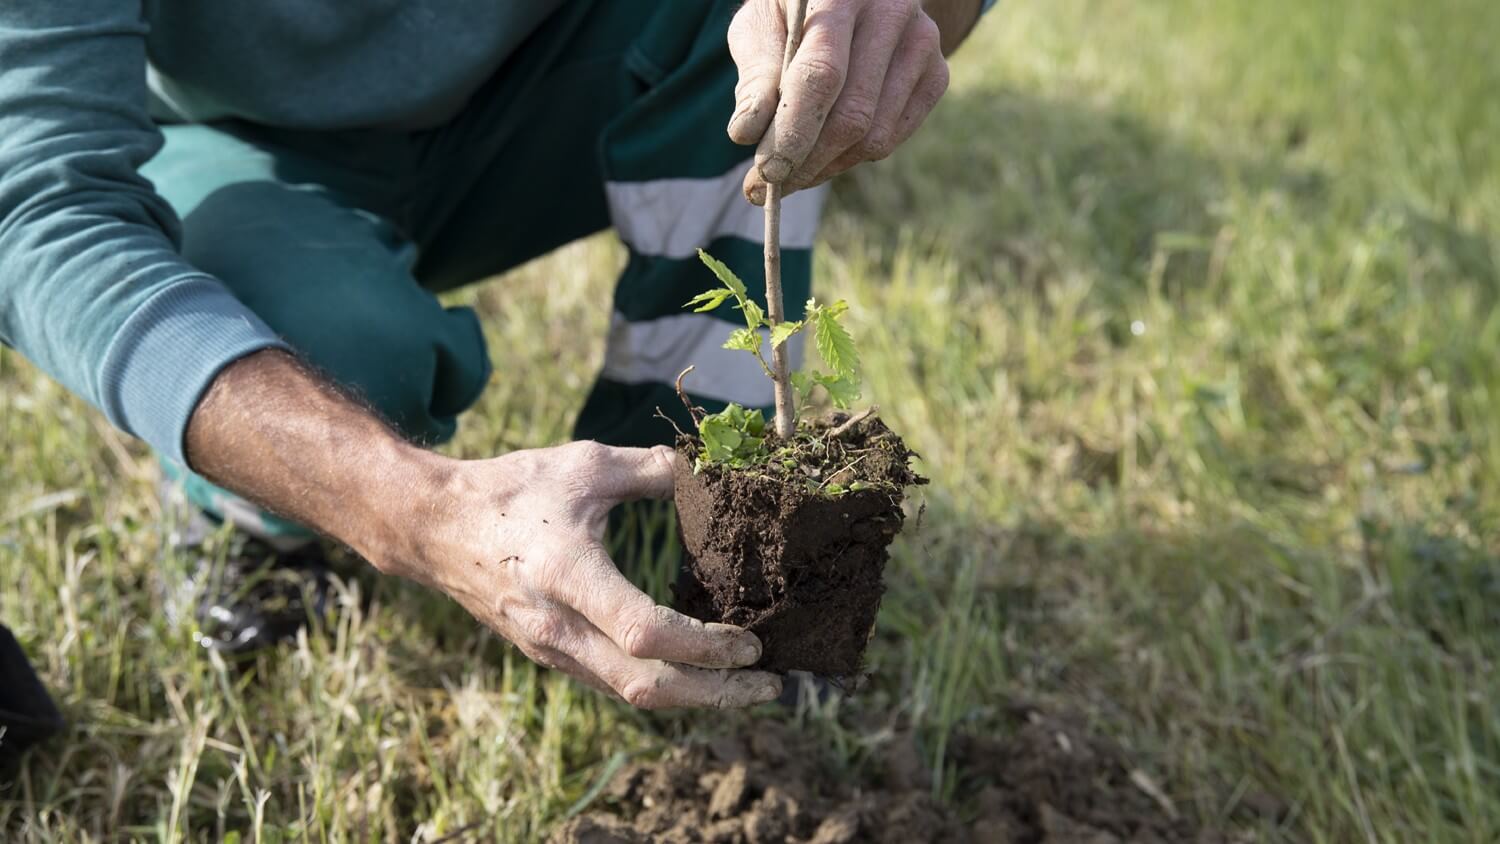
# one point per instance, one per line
(612, 115)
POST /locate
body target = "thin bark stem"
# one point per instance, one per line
(786, 409)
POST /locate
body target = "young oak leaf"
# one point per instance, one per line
(743, 340)
(709, 300)
(783, 331)
(835, 345)
(725, 274)
(754, 316)
(842, 391)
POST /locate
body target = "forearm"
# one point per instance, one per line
(955, 20)
(274, 431)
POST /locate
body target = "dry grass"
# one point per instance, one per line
(1189, 307)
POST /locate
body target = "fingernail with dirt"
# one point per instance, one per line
(744, 112)
(775, 169)
(747, 653)
(756, 194)
(770, 691)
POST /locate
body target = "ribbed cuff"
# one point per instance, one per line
(168, 352)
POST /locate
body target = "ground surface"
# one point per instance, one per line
(1189, 306)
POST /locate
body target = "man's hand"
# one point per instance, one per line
(516, 540)
(866, 75)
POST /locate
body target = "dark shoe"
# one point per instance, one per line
(247, 596)
(255, 597)
(800, 688)
(27, 713)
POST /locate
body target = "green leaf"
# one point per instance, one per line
(733, 437)
(755, 422)
(754, 316)
(725, 274)
(843, 392)
(720, 439)
(803, 383)
(782, 331)
(835, 490)
(709, 300)
(744, 340)
(833, 340)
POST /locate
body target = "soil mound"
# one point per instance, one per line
(1048, 783)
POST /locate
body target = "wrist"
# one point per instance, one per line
(403, 509)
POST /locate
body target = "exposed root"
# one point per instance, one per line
(695, 412)
(849, 423)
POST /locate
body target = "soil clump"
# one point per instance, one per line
(795, 549)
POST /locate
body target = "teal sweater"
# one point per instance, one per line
(92, 289)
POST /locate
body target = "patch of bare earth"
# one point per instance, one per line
(1049, 781)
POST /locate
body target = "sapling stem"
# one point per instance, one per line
(786, 409)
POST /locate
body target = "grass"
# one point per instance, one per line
(1189, 306)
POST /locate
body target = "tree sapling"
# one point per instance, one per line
(787, 533)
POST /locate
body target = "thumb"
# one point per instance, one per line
(757, 37)
(631, 473)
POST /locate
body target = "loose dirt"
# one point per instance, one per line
(765, 549)
(1049, 782)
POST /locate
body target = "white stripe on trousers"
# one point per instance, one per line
(672, 218)
(655, 351)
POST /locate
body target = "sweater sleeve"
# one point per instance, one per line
(92, 288)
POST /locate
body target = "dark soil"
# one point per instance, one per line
(1050, 782)
(767, 548)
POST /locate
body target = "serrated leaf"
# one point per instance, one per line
(709, 300)
(744, 340)
(783, 331)
(754, 316)
(725, 274)
(843, 392)
(835, 345)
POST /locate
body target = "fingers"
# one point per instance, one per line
(615, 474)
(557, 637)
(930, 89)
(896, 76)
(810, 87)
(756, 36)
(874, 48)
(639, 627)
(653, 684)
(640, 473)
(896, 124)
(559, 661)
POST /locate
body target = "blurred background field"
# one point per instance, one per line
(1189, 307)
